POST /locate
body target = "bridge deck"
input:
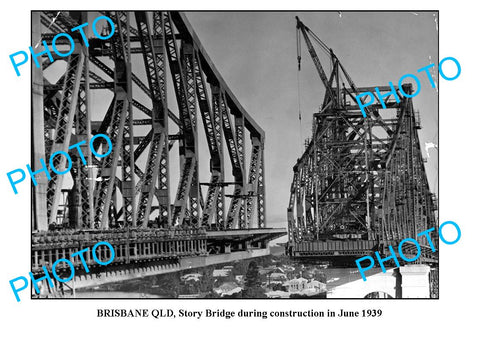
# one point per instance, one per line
(144, 245)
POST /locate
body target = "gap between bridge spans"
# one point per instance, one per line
(69, 264)
(406, 259)
(360, 99)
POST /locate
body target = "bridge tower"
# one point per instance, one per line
(165, 190)
(360, 184)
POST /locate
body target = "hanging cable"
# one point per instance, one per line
(299, 49)
(318, 40)
(299, 110)
(299, 59)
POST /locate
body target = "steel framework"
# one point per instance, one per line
(361, 183)
(125, 198)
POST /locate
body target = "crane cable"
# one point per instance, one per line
(299, 58)
(324, 48)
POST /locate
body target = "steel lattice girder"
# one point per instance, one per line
(361, 176)
(63, 113)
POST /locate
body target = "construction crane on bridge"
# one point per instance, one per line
(360, 184)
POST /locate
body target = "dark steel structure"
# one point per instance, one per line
(361, 183)
(126, 198)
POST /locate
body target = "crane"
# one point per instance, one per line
(332, 98)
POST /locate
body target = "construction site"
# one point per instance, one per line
(361, 184)
(185, 185)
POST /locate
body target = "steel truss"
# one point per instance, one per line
(361, 183)
(148, 53)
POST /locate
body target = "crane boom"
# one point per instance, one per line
(333, 99)
(316, 60)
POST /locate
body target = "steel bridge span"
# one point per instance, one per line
(184, 183)
(360, 185)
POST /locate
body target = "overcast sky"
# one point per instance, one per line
(256, 54)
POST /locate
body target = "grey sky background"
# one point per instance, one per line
(256, 54)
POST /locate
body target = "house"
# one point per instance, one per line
(239, 279)
(316, 285)
(305, 287)
(191, 276)
(296, 285)
(275, 294)
(221, 272)
(277, 277)
(228, 288)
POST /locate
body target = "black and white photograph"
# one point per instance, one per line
(183, 166)
(180, 175)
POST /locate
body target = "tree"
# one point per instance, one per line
(252, 277)
(253, 284)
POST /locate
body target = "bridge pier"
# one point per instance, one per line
(415, 281)
(407, 282)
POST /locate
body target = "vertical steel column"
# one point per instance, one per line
(190, 84)
(106, 187)
(163, 193)
(237, 166)
(213, 140)
(63, 128)
(261, 188)
(253, 180)
(155, 70)
(220, 175)
(240, 138)
(127, 156)
(84, 132)
(39, 196)
(187, 145)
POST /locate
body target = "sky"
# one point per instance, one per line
(257, 56)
